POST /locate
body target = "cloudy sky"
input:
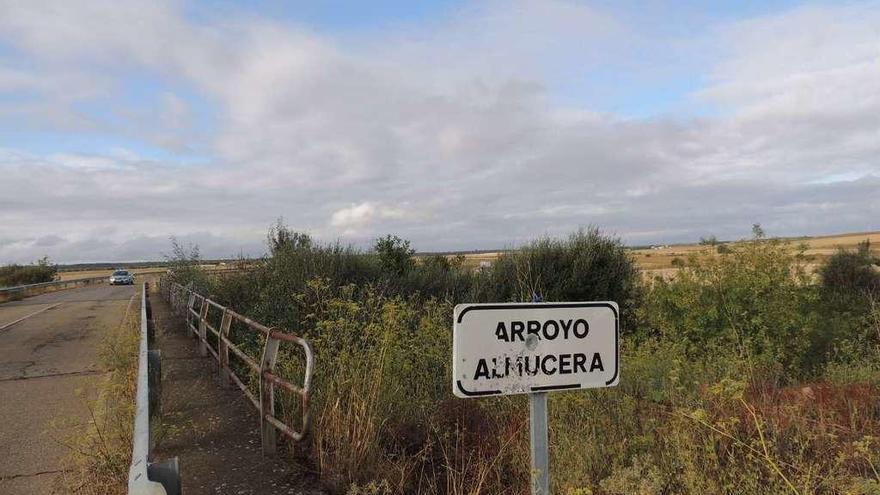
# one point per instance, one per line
(458, 125)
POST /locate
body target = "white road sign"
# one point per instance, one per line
(516, 348)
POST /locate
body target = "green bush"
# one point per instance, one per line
(850, 277)
(849, 312)
(395, 255)
(587, 266)
(184, 266)
(35, 273)
(754, 302)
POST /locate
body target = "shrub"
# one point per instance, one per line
(184, 265)
(395, 255)
(708, 241)
(385, 415)
(849, 276)
(587, 266)
(41, 271)
(754, 302)
(850, 296)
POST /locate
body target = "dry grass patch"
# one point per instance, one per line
(100, 452)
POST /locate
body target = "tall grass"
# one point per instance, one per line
(737, 378)
(99, 451)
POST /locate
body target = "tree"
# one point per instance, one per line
(586, 266)
(185, 264)
(758, 231)
(709, 241)
(850, 275)
(395, 255)
(281, 238)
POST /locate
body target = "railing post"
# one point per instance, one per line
(167, 473)
(203, 328)
(193, 318)
(189, 305)
(267, 395)
(154, 380)
(179, 299)
(223, 348)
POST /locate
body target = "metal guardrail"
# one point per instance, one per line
(184, 299)
(7, 293)
(19, 291)
(146, 477)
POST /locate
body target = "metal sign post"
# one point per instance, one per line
(538, 438)
(534, 348)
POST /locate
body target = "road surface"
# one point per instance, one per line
(48, 369)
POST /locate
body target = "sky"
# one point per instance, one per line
(457, 125)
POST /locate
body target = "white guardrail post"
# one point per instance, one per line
(145, 477)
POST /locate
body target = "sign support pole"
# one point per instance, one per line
(538, 437)
(544, 347)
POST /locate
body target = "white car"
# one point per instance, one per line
(121, 277)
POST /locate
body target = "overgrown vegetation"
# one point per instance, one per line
(99, 451)
(41, 271)
(745, 374)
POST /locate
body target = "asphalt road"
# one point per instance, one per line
(49, 368)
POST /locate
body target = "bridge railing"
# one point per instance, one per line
(144, 476)
(199, 312)
(20, 291)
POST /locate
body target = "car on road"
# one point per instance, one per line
(121, 277)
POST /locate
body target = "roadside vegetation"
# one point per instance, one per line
(40, 271)
(99, 451)
(743, 374)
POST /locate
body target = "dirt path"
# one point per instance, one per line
(49, 368)
(214, 432)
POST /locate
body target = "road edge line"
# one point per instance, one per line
(7, 325)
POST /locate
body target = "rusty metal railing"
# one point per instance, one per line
(199, 311)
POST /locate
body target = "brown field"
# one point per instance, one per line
(101, 273)
(72, 275)
(659, 260)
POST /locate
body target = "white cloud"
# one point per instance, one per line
(446, 133)
(357, 217)
(86, 162)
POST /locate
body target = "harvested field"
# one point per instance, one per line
(75, 274)
(660, 260)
